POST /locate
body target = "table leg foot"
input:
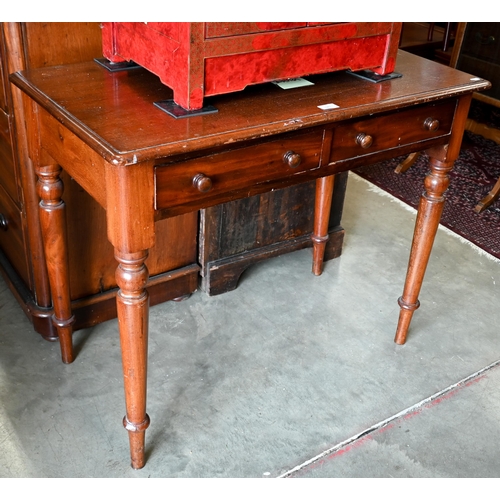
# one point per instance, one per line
(405, 316)
(65, 333)
(324, 192)
(137, 440)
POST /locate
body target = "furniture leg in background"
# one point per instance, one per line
(53, 222)
(324, 193)
(489, 198)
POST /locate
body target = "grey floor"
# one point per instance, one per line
(290, 375)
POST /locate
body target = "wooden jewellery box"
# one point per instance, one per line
(197, 60)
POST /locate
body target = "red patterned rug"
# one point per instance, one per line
(474, 174)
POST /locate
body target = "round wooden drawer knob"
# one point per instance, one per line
(364, 140)
(4, 223)
(202, 183)
(292, 159)
(431, 124)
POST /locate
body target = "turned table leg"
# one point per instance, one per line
(428, 217)
(323, 203)
(53, 222)
(133, 316)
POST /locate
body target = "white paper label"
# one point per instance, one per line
(293, 83)
(328, 106)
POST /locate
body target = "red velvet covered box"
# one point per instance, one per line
(203, 59)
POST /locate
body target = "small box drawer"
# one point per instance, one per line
(482, 41)
(200, 180)
(218, 30)
(386, 132)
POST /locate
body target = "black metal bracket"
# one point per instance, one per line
(121, 66)
(373, 77)
(177, 111)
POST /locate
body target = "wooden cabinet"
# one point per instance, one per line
(479, 54)
(281, 222)
(198, 60)
(174, 269)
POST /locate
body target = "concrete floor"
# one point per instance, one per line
(290, 375)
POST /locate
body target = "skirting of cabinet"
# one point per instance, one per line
(171, 285)
(236, 235)
(167, 286)
(40, 317)
(223, 275)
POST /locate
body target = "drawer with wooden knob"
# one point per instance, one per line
(386, 132)
(216, 178)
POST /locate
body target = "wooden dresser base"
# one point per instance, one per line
(91, 311)
(233, 236)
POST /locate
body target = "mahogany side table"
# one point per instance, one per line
(142, 165)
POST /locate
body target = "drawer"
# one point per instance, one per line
(204, 181)
(386, 132)
(11, 235)
(217, 30)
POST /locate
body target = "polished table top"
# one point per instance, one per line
(113, 112)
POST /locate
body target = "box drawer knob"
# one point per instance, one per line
(431, 124)
(202, 183)
(4, 223)
(292, 159)
(364, 140)
(485, 40)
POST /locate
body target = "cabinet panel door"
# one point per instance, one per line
(480, 54)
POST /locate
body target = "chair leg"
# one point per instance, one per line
(489, 198)
(406, 164)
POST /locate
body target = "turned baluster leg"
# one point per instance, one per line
(323, 203)
(428, 217)
(53, 222)
(133, 315)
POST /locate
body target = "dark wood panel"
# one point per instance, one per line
(235, 235)
(277, 216)
(480, 54)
